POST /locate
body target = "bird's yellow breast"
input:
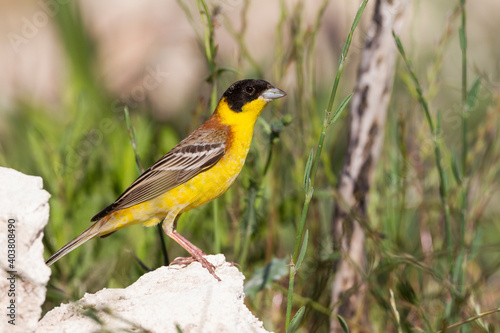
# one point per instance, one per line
(213, 182)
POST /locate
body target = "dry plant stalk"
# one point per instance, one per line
(367, 120)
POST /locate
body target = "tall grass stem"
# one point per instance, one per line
(309, 177)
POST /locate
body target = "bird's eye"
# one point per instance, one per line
(250, 90)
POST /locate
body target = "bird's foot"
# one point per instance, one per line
(199, 258)
(197, 254)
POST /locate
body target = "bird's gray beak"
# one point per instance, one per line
(272, 93)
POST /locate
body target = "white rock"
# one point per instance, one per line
(185, 296)
(24, 206)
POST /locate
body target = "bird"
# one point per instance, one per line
(196, 171)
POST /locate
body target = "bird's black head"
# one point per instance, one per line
(245, 91)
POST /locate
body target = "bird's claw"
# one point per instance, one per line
(204, 262)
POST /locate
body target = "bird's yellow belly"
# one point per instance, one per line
(204, 187)
(197, 191)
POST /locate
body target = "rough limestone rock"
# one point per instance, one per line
(24, 212)
(187, 297)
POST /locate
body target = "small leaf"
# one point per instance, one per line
(463, 40)
(458, 267)
(406, 291)
(399, 44)
(127, 117)
(226, 69)
(472, 95)
(457, 173)
(302, 251)
(307, 171)
(93, 314)
(340, 109)
(294, 323)
(438, 127)
(263, 277)
(343, 324)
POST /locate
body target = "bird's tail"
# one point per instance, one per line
(95, 230)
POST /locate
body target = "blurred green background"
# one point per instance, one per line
(70, 68)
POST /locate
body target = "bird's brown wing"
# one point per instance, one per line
(198, 152)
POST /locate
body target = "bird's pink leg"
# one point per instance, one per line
(197, 254)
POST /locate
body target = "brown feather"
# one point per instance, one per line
(198, 152)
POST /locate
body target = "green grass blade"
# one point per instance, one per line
(472, 94)
(133, 141)
(414, 77)
(343, 324)
(463, 40)
(302, 250)
(438, 126)
(307, 171)
(340, 109)
(295, 322)
(343, 55)
(455, 167)
(309, 187)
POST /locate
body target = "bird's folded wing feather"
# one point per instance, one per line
(190, 157)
